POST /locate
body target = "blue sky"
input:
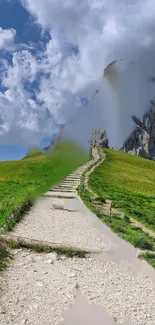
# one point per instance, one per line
(11, 152)
(8, 152)
(13, 15)
(52, 59)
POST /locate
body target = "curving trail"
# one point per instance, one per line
(52, 290)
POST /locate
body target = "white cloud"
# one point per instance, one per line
(23, 68)
(23, 120)
(7, 38)
(86, 35)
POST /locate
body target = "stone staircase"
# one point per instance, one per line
(70, 184)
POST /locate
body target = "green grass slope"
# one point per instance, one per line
(129, 182)
(148, 257)
(29, 177)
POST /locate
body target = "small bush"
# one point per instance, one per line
(100, 199)
(12, 243)
(137, 229)
(143, 242)
(99, 214)
(117, 217)
(81, 187)
(119, 228)
(4, 254)
(127, 219)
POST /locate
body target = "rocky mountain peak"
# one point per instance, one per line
(99, 139)
(141, 141)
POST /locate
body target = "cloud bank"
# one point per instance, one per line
(7, 37)
(44, 86)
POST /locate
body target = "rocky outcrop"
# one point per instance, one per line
(142, 140)
(99, 139)
(49, 147)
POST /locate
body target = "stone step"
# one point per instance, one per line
(61, 194)
(72, 177)
(74, 174)
(71, 182)
(62, 190)
(66, 186)
(76, 180)
(85, 166)
(81, 169)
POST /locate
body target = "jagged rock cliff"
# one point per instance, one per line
(49, 147)
(142, 140)
(99, 139)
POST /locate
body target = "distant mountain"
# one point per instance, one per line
(45, 149)
(141, 141)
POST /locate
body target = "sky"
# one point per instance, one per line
(52, 57)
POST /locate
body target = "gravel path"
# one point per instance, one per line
(63, 227)
(47, 289)
(57, 225)
(42, 287)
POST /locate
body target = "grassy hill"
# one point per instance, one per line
(31, 176)
(129, 182)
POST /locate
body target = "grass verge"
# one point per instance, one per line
(4, 255)
(16, 216)
(40, 248)
(121, 227)
(7, 244)
(148, 257)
